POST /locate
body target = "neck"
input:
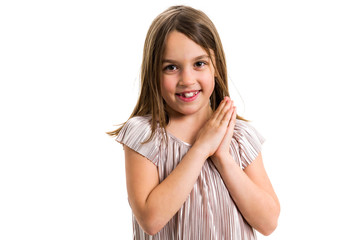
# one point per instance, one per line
(186, 127)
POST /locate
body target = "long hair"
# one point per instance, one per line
(197, 26)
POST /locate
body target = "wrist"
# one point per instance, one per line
(223, 161)
(201, 150)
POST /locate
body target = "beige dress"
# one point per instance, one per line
(209, 211)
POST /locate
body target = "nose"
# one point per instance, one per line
(187, 77)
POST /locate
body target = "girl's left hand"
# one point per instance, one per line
(223, 150)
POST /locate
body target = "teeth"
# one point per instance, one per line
(190, 94)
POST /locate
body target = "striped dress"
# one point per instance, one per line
(209, 211)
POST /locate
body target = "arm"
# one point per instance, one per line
(252, 192)
(154, 203)
(250, 188)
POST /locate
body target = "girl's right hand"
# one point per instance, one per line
(211, 135)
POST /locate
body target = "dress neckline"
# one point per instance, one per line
(178, 139)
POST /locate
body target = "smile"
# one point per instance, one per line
(188, 96)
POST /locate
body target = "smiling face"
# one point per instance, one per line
(187, 79)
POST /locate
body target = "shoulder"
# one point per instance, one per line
(244, 129)
(248, 140)
(137, 128)
(139, 121)
(134, 125)
(135, 134)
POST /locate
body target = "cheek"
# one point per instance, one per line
(209, 81)
(167, 86)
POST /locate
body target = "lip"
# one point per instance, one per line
(190, 99)
(189, 91)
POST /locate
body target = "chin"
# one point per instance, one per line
(190, 111)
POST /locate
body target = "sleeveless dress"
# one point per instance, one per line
(209, 211)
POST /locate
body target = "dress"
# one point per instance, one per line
(209, 212)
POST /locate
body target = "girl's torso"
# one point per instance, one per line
(209, 212)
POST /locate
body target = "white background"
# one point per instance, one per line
(69, 72)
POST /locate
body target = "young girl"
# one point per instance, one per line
(193, 167)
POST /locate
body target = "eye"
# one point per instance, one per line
(170, 68)
(200, 64)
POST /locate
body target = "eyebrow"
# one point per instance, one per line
(194, 59)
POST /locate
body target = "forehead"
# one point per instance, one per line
(179, 47)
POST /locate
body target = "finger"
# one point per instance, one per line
(233, 118)
(226, 113)
(220, 108)
(225, 108)
(230, 127)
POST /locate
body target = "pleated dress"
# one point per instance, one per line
(209, 211)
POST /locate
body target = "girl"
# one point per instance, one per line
(187, 153)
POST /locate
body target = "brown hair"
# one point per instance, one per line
(197, 26)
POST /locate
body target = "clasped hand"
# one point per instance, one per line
(215, 137)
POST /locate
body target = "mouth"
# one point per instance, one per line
(188, 96)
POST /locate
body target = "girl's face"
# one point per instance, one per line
(187, 76)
